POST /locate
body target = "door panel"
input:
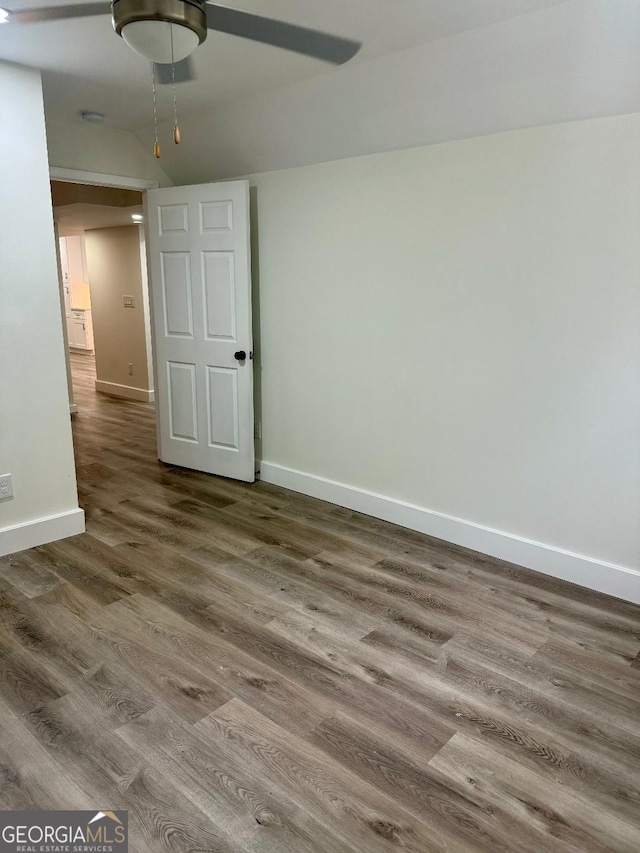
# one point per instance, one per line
(183, 411)
(176, 293)
(219, 295)
(173, 218)
(198, 242)
(223, 407)
(216, 216)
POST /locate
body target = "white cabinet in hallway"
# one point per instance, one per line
(80, 329)
(73, 260)
(77, 301)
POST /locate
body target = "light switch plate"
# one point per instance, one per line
(129, 301)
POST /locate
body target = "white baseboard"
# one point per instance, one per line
(127, 391)
(604, 577)
(29, 534)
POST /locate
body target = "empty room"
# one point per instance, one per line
(320, 426)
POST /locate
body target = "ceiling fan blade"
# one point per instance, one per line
(52, 13)
(184, 71)
(279, 34)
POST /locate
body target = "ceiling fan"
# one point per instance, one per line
(168, 31)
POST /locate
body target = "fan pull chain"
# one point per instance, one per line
(156, 147)
(176, 128)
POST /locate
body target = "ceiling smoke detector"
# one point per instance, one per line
(92, 117)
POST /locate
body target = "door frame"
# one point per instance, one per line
(76, 176)
(98, 179)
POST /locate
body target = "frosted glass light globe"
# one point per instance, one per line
(152, 39)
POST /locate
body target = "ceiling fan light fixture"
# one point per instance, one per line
(160, 41)
(4, 16)
(162, 31)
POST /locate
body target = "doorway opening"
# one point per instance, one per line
(105, 301)
(104, 286)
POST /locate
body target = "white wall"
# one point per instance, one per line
(102, 149)
(114, 267)
(456, 328)
(35, 431)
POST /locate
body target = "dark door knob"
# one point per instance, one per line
(240, 355)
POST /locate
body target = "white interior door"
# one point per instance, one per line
(200, 285)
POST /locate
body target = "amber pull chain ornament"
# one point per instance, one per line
(156, 147)
(176, 126)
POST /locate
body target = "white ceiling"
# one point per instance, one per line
(573, 61)
(87, 67)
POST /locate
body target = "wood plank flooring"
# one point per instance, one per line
(247, 670)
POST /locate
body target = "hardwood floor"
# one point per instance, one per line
(247, 669)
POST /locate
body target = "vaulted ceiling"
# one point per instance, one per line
(87, 67)
(430, 71)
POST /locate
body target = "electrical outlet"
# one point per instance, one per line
(130, 369)
(6, 486)
(257, 430)
(129, 301)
